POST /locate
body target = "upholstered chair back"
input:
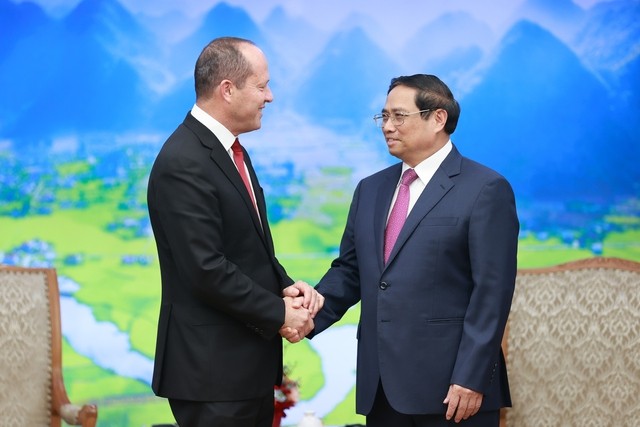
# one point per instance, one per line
(32, 391)
(25, 349)
(573, 345)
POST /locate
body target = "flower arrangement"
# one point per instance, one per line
(284, 397)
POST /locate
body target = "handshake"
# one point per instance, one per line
(302, 303)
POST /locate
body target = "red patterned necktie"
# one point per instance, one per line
(238, 158)
(398, 212)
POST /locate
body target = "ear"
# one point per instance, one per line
(226, 89)
(440, 117)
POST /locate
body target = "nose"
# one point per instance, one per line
(388, 126)
(268, 95)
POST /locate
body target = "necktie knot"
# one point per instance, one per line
(409, 176)
(236, 147)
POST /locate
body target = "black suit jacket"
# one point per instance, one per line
(221, 305)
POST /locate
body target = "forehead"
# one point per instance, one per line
(401, 98)
(258, 62)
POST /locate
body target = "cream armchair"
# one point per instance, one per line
(32, 392)
(573, 345)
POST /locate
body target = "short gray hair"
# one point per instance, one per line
(221, 59)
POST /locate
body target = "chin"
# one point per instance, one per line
(395, 152)
(254, 126)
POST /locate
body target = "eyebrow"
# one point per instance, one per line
(259, 84)
(394, 110)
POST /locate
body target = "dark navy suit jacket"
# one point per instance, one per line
(436, 313)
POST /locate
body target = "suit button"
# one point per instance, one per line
(384, 285)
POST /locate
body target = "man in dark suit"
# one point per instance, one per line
(434, 302)
(225, 296)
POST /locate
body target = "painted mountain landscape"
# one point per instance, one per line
(550, 98)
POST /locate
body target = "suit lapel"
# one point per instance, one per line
(436, 189)
(262, 206)
(222, 159)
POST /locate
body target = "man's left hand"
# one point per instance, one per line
(462, 402)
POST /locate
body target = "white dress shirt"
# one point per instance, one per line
(425, 171)
(223, 134)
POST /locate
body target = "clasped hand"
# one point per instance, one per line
(302, 303)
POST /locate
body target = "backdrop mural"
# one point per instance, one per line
(90, 89)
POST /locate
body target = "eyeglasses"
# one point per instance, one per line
(396, 118)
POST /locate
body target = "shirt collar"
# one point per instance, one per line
(222, 133)
(427, 168)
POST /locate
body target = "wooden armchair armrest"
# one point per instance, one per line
(75, 415)
(85, 415)
(62, 408)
